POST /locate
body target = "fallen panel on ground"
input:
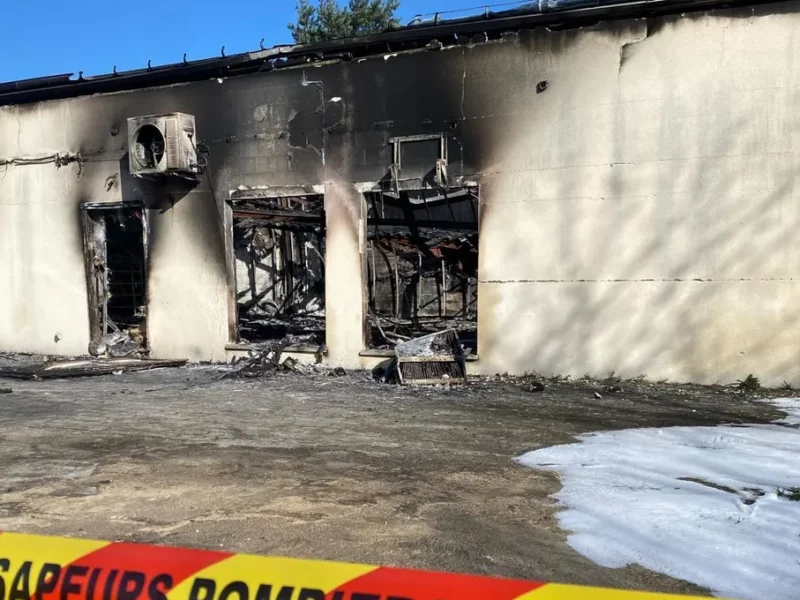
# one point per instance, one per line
(85, 368)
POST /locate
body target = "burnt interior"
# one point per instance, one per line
(125, 268)
(422, 265)
(117, 267)
(279, 246)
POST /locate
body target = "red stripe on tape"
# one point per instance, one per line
(402, 584)
(120, 569)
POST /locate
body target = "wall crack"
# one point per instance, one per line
(626, 47)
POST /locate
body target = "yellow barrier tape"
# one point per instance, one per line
(46, 568)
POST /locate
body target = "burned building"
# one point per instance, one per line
(574, 186)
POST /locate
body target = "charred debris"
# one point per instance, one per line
(279, 246)
(115, 245)
(421, 277)
(431, 359)
(422, 265)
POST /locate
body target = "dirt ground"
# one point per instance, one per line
(315, 466)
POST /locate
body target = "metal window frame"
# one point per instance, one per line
(397, 154)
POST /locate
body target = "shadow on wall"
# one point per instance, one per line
(161, 196)
(681, 263)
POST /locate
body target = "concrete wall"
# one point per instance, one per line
(644, 219)
(638, 213)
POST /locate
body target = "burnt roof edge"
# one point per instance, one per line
(63, 86)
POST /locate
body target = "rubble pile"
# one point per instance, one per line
(266, 359)
(119, 344)
(262, 361)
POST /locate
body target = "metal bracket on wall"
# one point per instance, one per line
(441, 173)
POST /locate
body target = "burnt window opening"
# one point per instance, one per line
(422, 265)
(420, 156)
(279, 246)
(116, 265)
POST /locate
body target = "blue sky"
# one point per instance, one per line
(47, 37)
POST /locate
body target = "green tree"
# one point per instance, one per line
(328, 21)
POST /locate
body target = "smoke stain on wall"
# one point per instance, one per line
(559, 165)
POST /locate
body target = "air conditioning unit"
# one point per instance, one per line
(162, 145)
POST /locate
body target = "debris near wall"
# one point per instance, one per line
(266, 359)
(83, 367)
(119, 344)
(262, 361)
(431, 359)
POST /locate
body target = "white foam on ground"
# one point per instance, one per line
(626, 501)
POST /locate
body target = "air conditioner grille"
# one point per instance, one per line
(173, 142)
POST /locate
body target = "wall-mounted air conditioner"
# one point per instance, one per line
(162, 145)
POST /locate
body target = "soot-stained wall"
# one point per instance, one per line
(637, 183)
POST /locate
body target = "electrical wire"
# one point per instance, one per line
(202, 151)
(20, 160)
(59, 160)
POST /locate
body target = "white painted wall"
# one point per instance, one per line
(642, 216)
(188, 315)
(42, 276)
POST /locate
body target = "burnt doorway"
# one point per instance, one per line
(279, 250)
(115, 243)
(422, 265)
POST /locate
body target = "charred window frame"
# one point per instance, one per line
(279, 269)
(412, 152)
(421, 264)
(115, 243)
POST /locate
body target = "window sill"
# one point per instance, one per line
(292, 349)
